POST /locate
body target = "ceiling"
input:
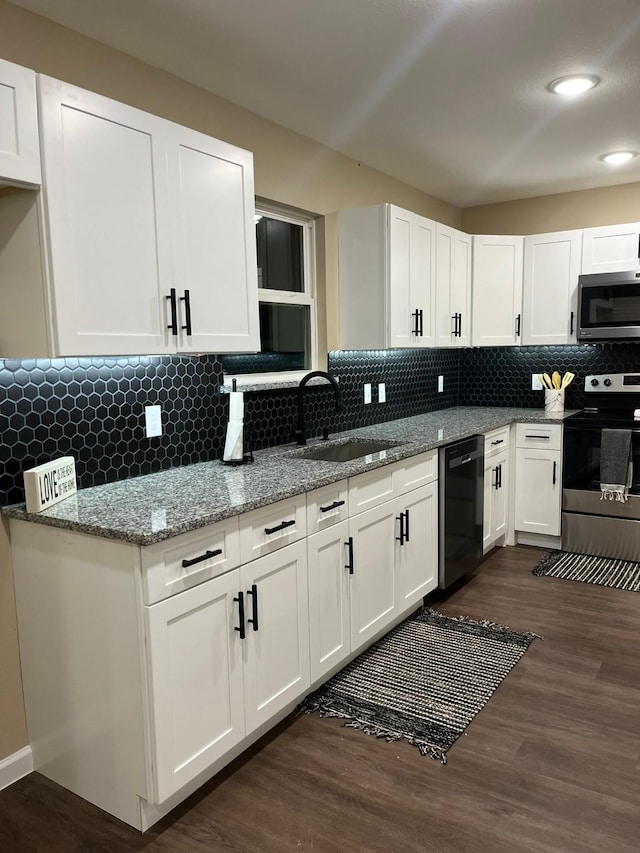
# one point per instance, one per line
(447, 95)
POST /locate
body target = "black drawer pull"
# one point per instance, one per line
(454, 331)
(280, 526)
(406, 525)
(555, 472)
(541, 437)
(571, 326)
(459, 325)
(240, 628)
(173, 325)
(400, 538)
(253, 592)
(349, 544)
(497, 441)
(500, 476)
(206, 556)
(334, 505)
(518, 319)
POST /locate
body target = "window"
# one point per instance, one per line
(285, 247)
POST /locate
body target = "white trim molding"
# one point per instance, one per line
(15, 766)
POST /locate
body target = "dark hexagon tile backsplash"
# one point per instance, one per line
(93, 408)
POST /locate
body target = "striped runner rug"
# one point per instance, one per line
(605, 571)
(424, 681)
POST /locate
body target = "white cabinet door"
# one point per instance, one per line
(329, 636)
(500, 498)
(106, 214)
(19, 142)
(213, 230)
(453, 287)
(497, 290)
(551, 270)
(372, 592)
(538, 491)
(411, 290)
(276, 649)
(490, 475)
(194, 657)
(613, 248)
(416, 545)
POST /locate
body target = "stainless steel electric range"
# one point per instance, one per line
(591, 525)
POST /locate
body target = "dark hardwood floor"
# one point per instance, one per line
(552, 763)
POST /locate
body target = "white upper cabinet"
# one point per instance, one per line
(614, 248)
(150, 231)
(453, 287)
(19, 144)
(497, 290)
(109, 234)
(213, 231)
(551, 270)
(387, 270)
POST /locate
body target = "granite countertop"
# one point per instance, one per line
(148, 509)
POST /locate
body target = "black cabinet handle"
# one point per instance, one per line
(349, 544)
(541, 437)
(518, 318)
(639, 246)
(571, 323)
(334, 505)
(497, 441)
(420, 317)
(454, 331)
(240, 628)
(280, 526)
(414, 315)
(400, 538)
(253, 592)
(555, 471)
(187, 312)
(406, 525)
(173, 325)
(500, 475)
(460, 325)
(206, 556)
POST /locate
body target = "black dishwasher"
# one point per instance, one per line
(461, 506)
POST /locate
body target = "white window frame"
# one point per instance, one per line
(288, 297)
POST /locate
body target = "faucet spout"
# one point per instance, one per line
(301, 434)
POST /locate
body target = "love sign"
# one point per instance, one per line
(50, 483)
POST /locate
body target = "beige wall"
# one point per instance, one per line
(583, 209)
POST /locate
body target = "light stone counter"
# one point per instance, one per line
(154, 507)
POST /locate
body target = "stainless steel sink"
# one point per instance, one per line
(345, 451)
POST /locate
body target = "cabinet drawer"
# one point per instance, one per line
(415, 472)
(540, 436)
(327, 506)
(370, 489)
(496, 441)
(190, 559)
(264, 530)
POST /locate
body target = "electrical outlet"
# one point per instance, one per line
(440, 384)
(382, 393)
(536, 385)
(153, 421)
(367, 392)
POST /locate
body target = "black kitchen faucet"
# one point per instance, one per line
(301, 436)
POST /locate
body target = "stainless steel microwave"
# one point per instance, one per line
(609, 306)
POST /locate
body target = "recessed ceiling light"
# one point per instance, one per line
(573, 84)
(615, 158)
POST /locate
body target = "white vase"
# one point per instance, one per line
(553, 401)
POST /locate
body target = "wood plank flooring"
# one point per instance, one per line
(551, 764)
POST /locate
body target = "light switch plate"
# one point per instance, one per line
(440, 384)
(536, 385)
(153, 421)
(382, 392)
(367, 392)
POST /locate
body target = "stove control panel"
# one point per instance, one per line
(626, 383)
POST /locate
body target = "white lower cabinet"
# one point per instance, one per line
(276, 650)
(416, 548)
(195, 681)
(538, 480)
(496, 500)
(223, 658)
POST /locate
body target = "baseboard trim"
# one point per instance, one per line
(15, 766)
